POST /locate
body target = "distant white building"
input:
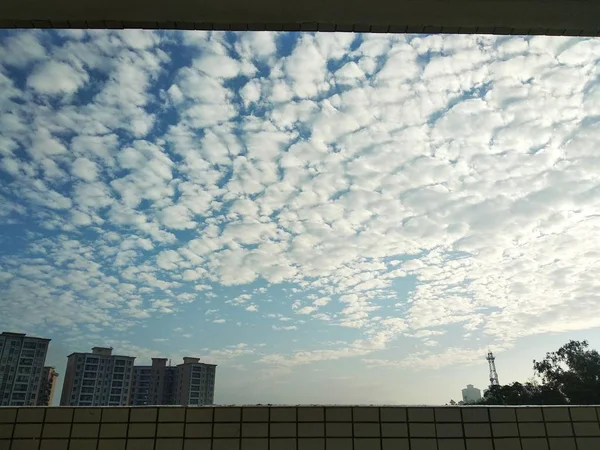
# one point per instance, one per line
(471, 394)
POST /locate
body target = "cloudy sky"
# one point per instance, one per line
(334, 218)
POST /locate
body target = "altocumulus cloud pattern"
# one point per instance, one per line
(276, 202)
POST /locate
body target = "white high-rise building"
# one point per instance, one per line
(97, 379)
(471, 394)
(22, 361)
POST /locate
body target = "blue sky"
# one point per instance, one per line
(334, 218)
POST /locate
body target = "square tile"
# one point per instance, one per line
(557, 414)
(311, 414)
(255, 444)
(451, 444)
(139, 444)
(583, 414)
(586, 428)
(54, 444)
(562, 443)
(255, 430)
(528, 414)
(228, 414)
(8, 415)
(420, 415)
(5, 444)
(422, 430)
(338, 429)
(449, 430)
(198, 430)
(169, 444)
(365, 414)
(311, 429)
(226, 430)
(170, 430)
(471, 414)
(6, 430)
(143, 415)
(24, 444)
(367, 444)
(507, 444)
(283, 429)
(83, 444)
(59, 415)
(503, 414)
(534, 444)
(479, 444)
(252, 414)
(85, 430)
(141, 430)
(113, 430)
(423, 444)
(199, 415)
(112, 444)
(395, 444)
(56, 430)
(31, 415)
(283, 444)
(116, 414)
(27, 430)
(477, 430)
(311, 444)
(394, 430)
(559, 429)
(588, 443)
(174, 414)
(450, 414)
(366, 430)
(226, 444)
(283, 414)
(341, 414)
(197, 444)
(391, 414)
(532, 429)
(87, 415)
(339, 444)
(505, 430)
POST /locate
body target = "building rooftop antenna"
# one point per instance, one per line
(491, 359)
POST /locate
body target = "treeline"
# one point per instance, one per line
(570, 375)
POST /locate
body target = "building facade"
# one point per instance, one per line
(154, 384)
(47, 385)
(22, 361)
(471, 394)
(190, 383)
(98, 378)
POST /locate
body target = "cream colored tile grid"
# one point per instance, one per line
(300, 428)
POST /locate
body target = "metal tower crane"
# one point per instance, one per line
(493, 374)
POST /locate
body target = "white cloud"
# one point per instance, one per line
(397, 185)
(85, 169)
(53, 77)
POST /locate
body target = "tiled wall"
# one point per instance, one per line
(300, 428)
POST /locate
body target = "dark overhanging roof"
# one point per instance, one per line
(544, 17)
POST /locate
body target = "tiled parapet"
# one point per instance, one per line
(301, 428)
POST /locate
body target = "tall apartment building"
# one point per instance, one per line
(190, 383)
(22, 361)
(47, 385)
(97, 379)
(195, 383)
(471, 394)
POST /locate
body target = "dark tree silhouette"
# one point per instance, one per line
(569, 375)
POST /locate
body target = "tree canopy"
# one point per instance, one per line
(570, 375)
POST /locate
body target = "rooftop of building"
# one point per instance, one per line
(21, 335)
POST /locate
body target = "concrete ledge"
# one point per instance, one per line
(315, 427)
(505, 17)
